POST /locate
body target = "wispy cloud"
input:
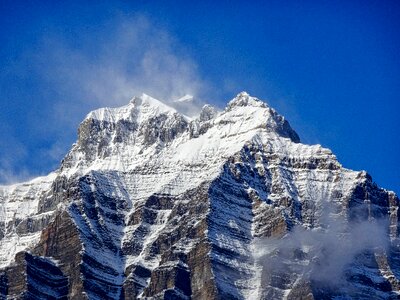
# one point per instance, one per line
(323, 254)
(132, 56)
(11, 154)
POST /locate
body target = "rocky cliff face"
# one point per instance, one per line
(151, 204)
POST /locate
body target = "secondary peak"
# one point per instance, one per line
(244, 99)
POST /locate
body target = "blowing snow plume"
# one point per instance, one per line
(132, 56)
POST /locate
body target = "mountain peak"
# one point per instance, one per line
(244, 99)
(141, 108)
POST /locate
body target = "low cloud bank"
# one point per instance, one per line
(322, 254)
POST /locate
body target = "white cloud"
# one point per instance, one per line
(323, 254)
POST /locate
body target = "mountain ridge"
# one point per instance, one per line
(152, 203)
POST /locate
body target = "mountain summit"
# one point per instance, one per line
(151, 203)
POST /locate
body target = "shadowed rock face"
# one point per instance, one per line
(150, 204)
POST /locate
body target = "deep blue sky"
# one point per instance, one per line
(331, 68)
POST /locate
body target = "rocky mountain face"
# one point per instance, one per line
(152, 204)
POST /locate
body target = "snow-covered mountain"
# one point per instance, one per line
(150, 203)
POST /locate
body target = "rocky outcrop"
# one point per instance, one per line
(150, 204)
